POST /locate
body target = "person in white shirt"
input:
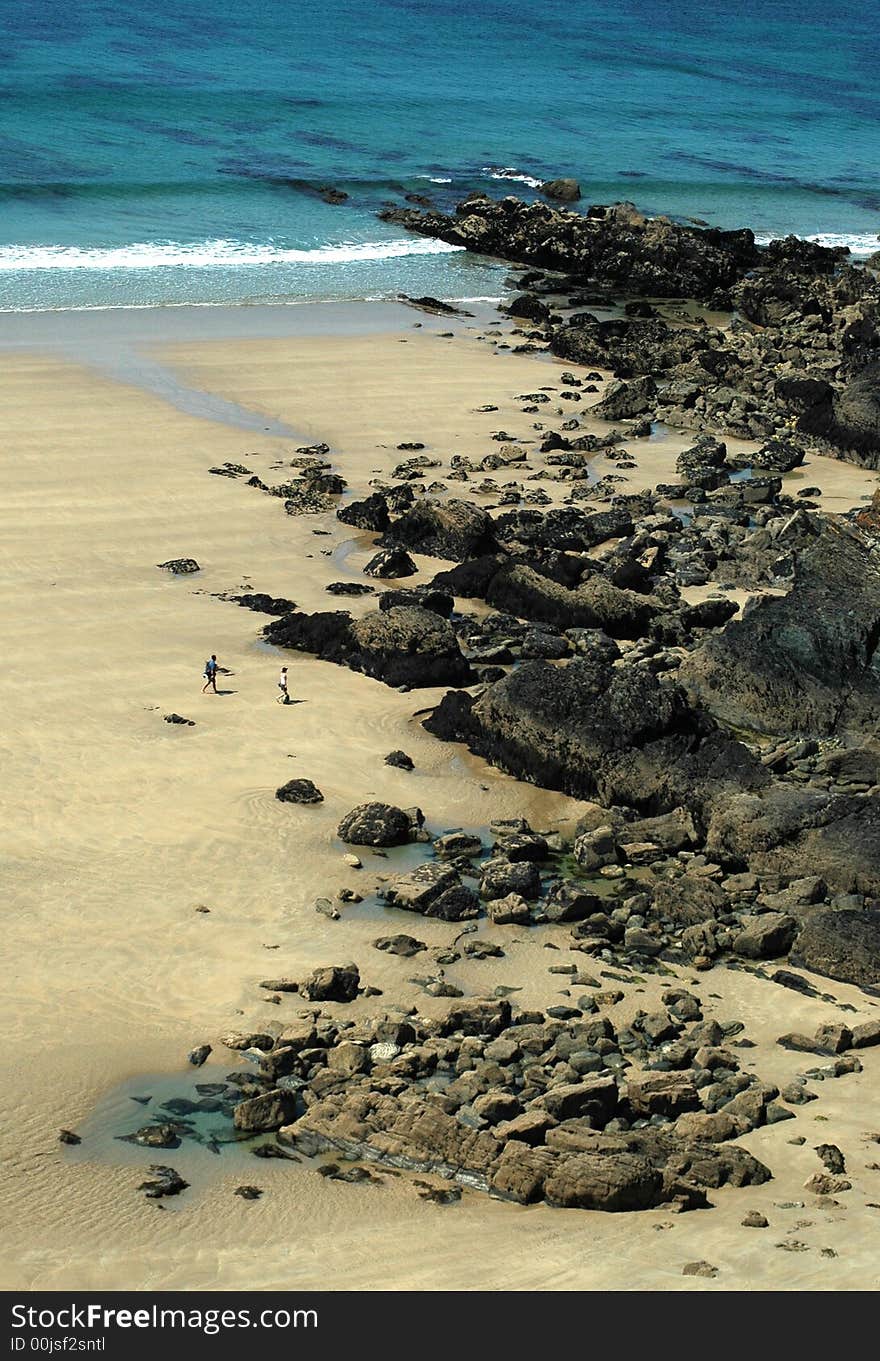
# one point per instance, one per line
(283, 696)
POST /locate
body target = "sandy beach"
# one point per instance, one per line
(118, 826)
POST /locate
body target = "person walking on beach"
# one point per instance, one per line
(283, 697)
(210, 674)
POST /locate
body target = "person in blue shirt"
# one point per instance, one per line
(210, 674)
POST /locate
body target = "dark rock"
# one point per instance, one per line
(375, 824)
(198, 1056)
(180, 566)
(156, 1136)
(565, 190)
(248, 1192)
(349, 588)
(166, 1182)
(842, 945)
(404, 645)
(443, 529)
(299, 791)
(433, 890)
(500, 877)
(258, 1114)
(797, 831)
(596, 604)
(595, 730)
(178, 718)
(623, 400)
(798, 663)
(766, 937)
(264, 604)
(370, 514)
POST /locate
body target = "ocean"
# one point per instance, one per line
(169, 153)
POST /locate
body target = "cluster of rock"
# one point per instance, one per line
(527, 1107)
(803, 351)
(757, 732)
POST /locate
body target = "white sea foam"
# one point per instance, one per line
(860, 243)
(436, 179)
(509, 172)
(209, 254)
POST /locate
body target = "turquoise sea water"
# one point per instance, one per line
(166, 152)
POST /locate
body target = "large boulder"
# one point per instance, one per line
(800, 663)
(259, 1114)
(597, 604)
(856, 420)
(390, 564)
(594, 730)
(623, 400)
(841, 943)
(793, 831)
(766, 936)
(443, 529)
(566, 190)
(404, 645)
(433, 889)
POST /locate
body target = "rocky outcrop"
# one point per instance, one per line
(614, 244)
(842, 944)
(370, 514)
(405, 645)
(509, 1122)
(375, 824)
(299, 791)
(595, 730)
(596, 604)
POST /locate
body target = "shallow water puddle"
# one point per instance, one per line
(196, 1104)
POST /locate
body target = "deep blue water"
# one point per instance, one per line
(147, 149)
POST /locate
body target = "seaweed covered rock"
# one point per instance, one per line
(800, 663)
(595, 730)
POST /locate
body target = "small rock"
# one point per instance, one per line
(198, 1055)
(67, 1136)
(699, 1269)
(755, 1220)
(248, 1192)
(179, 566)
(166, 1182)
